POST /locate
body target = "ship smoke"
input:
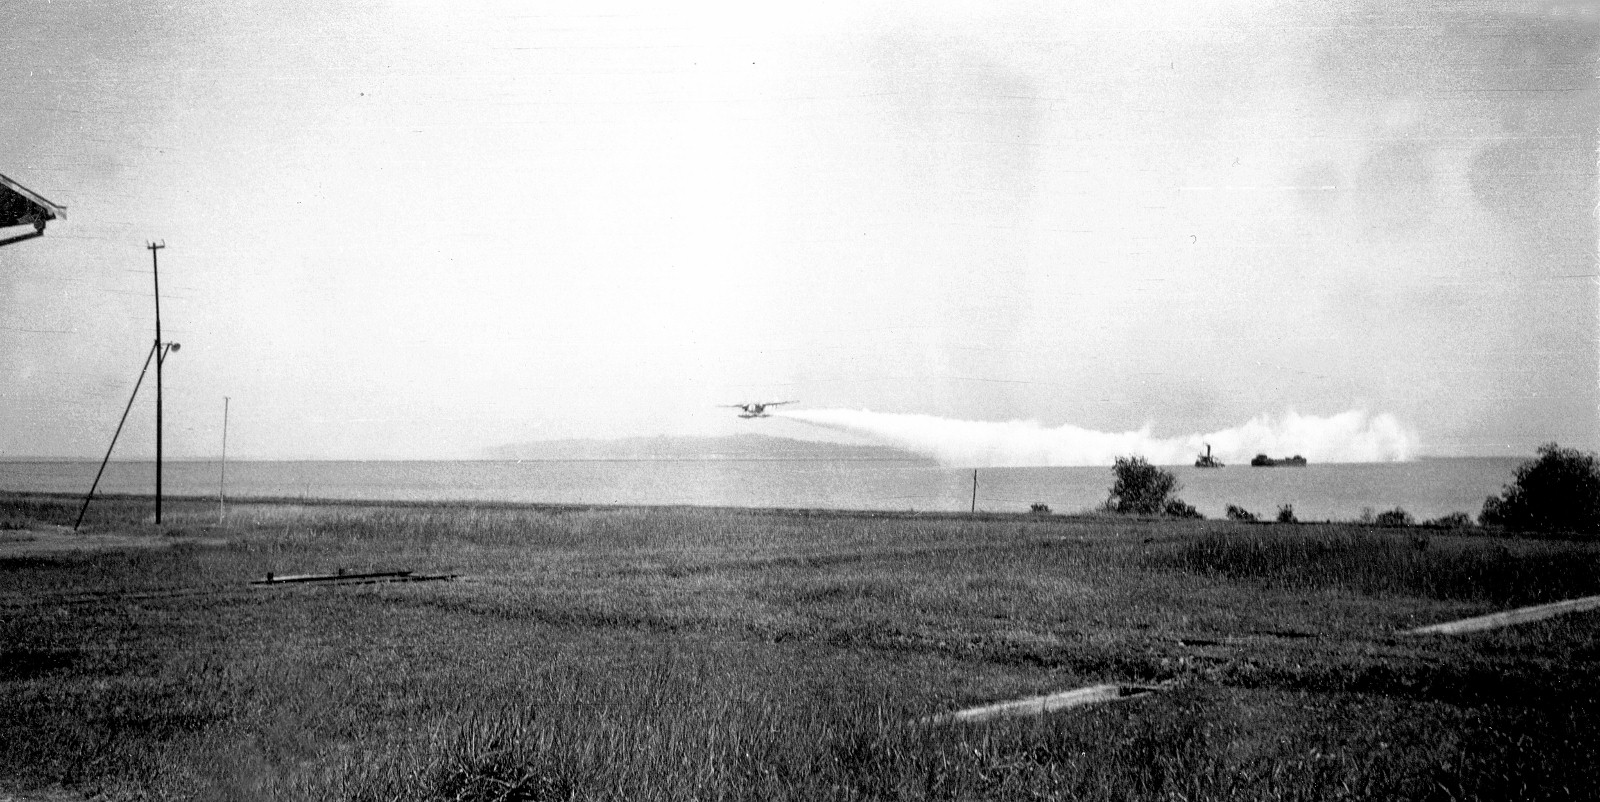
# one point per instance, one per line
(1352, 436)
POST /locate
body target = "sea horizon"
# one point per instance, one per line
(929, 460)
(1424, 487)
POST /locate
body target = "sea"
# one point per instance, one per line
(1426, 488)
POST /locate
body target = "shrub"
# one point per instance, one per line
(1493, 512)
(1558, 492)
(1141, 488)
(1286, 515)
(1039, 508)
(1238, 513)
(1455, 520)
(1394, 517)
(1177, 508)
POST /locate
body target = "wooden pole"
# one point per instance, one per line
(155, 274)
(114, 436)
(21, 237)
(222, 486)
(974, 490)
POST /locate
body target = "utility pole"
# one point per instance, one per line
(158, 352)
(155, 273)
(974, 472)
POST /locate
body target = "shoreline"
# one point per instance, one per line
(500, 461)
(1427, 489)
(804, 513)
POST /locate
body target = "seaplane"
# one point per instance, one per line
(757, 410)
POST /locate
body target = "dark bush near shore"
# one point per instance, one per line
(1238, 513)
(1144, 489)
(1558, 492)
(1455, 520)
(1178, 508)
(1394, 517)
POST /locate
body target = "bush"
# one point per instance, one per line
(1177, 508)
(1558, 492)
(1141, 488)
(1039, 508)
(1286, 515)
(1394, 517)
(1238, 513)
(1455, 520)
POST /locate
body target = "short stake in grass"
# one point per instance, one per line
(1040, 705)
(1521, 615)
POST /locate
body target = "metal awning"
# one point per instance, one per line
(20, 206)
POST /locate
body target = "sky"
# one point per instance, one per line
(408, 230)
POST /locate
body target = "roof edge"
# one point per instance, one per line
(56, 210)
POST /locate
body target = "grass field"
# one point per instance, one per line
(689, 653)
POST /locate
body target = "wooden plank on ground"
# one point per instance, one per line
(1039, 705)
(1521, 615)
(351, 579)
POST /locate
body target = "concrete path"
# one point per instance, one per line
(1521, 615)
(1039, 705)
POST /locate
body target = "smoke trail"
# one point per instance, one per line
(1352, 436)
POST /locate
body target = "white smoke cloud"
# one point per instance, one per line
(1352, 436)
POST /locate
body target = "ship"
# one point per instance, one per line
(1206, 460)
(1264, 461)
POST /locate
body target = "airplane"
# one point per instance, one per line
(755, 410)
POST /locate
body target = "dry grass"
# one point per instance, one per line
(720, 654)
(1465, 567)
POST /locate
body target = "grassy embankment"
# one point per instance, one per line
(722, 654)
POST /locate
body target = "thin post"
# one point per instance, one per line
(974, 490)
(114, 436)
(155, 274)
(222, 487)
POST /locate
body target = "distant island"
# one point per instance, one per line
(1264, 461)
(731, 447)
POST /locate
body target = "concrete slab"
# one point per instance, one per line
(1040, 705)
(1521, 615)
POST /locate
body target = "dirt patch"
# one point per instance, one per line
(47, 539)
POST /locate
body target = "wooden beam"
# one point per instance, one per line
(352, 579)
(21, 238)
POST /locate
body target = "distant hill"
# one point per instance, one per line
(732, 447)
